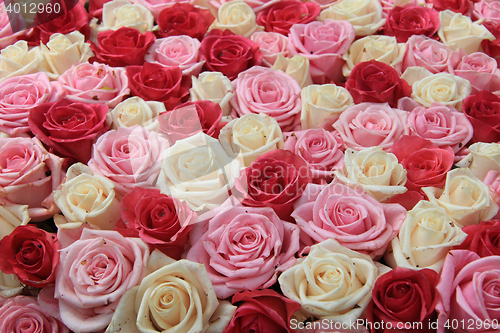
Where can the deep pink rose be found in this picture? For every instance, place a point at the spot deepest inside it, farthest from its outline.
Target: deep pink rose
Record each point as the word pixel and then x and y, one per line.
pixel 387 5
pixel 271 44
pixel 282 15
pixel 481 70
pixel 482 238
pixel 183 18
pixel 156 6
pixel 483 112
pixel 492 47
pixel 404 22
pixel 463 7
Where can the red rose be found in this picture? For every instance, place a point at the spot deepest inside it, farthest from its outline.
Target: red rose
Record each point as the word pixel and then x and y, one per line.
pixel 262 311
pixel 375 82
pixel 184 19
pixel 123 47
pixel 30 253
pixel 95 8
pixel 483 111
pixel 276 179
pixel 228 53
pixel 492 47
pixel 404 22
pixel 160 221
pixel 283 14
pixel 403 296
pixel 482 238
pixel 426 164
pixel 458 6
pixel 69 129
pixel 154 82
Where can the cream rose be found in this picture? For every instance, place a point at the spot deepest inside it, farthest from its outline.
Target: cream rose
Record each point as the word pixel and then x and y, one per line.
pixel 385 49
pixel 332 282
pixel 426 236
pixel 19 59
pixel 377 172
pixel 322 101
pixel 121 13
pixel 215 87
pixel 459 30
pixel 238 17
pixel 10 285
pixel 297 67
pixel 482 158
pixel 365 15
pixel 464 197
pixel 12 216
pixel 251 136
pixel 136 111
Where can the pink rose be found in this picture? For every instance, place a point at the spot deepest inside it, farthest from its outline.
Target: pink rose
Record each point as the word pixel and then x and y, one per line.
pixel 492 179
pixel 129 156
pixel 322 150
pixel 93 273
pixel 265 90
pixel 9 31
pixel 271 44
pixel 28 175
pixel 350 216
pixel 487 9
pixel 19 94
pixel 323 44
pixel 366 125
pixel 95 83
pixel 481 70
pixel 182 51
pixel 442 125
pixel 245 248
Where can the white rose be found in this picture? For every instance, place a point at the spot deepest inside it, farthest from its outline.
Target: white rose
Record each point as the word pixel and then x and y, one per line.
pixel 482 158
pixel 10 285
pixel 297 67
pixel 121 13
pixel 238 17
pixel 87 198
pixel 332 282
pixel 19 59
pixel 12 216
pixel 215 87
pixel 175 296
pixel 136 111
pixel 464 197
pixel 322 101
pixel 364 15
pixel 377 172
pixel 251 136
pixel 425 238
pixel 459 30
pixel 64 51
pixel 385 49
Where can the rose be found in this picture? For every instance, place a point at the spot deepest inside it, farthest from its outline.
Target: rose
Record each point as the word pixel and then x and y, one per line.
pixel 87 198
pixel 492 179
pixel 375 82
pixel 236 16
pixel 136 111
pixel 384 49
pixel 93 273
pixel 12 216
pixel 482 238
pixel 282 15
pixel 365 15
pixel 322 101
pixel 121 13
pixel 181 51
pixel 328 269
pixel 462 6
pixel 483 158
pixel 25 313
pixel 426 164
pixel 271 44
pixel 232 249
pixel 252 135
pixel 387 5
pixel 184 19
pixel 7 34
pixel 442 125
pixel 481 71
pixel 404 296
pixel 466 199
pixel 297 67
pixel 426 236
pixel 366 125
pixel 228 53
pixel 19 94
pixel 10 285
pixel 483 112
pixel 322 150
pixel 486 9
pixel 69 129
pixel 275 179
pixel 155 82
pixel 457 29
pixel 213 86
pixel 95 8
pixel 264 90
pixel 17 59
pixel 256 5
pixel 404 22
pixel 128 157
pixel 95 84
pixel 31 254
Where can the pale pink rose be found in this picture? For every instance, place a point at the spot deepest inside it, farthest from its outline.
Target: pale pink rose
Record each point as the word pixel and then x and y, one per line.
pixel 442 125
pixel 156 6
pixel 487 9
pixel 28 175
pixel 9 31
pixel 492 179
pixel 271 44
pixel 468 293
pixel 95 83
pixel 182 51
pixel 322 150
pixel 324 44
pixel 433 55
pixel 265 90
pixel 129 156
pixel 245 248
pixel 481 70
pixel 93 274
pixel 19 94
pixel 366 125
